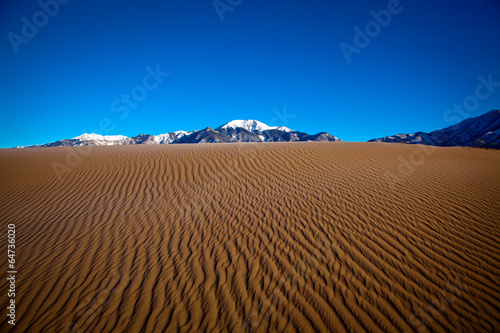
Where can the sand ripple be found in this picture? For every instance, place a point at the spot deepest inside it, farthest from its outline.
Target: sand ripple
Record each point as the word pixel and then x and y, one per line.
pixel 286 237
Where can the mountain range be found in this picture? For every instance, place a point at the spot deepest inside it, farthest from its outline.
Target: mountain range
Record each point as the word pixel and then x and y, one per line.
pixel 481 132
pixel 233 131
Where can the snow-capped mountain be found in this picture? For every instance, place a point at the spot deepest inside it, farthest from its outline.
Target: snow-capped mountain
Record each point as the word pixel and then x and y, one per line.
pixel 170 137
pixel 482 132
pixel 252 126
pixel 98 137
pixel 233 131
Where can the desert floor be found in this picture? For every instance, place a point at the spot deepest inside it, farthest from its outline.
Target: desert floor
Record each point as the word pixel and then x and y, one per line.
pixel 309 237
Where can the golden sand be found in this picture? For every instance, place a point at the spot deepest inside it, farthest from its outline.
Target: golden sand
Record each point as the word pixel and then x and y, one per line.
pixel 286 237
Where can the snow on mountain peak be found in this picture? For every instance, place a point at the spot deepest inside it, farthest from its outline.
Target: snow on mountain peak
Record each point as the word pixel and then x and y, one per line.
pixel 251 125
pixel 170 137
pixel 99 137
pixel 284 129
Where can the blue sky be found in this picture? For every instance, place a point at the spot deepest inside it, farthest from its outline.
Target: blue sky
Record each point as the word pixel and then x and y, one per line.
pixel 280 62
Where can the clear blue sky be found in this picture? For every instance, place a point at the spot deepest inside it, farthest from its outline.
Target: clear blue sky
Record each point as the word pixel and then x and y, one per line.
pixel 264 55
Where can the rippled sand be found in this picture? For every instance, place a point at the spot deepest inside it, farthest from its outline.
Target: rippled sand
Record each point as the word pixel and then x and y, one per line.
pixel 254 237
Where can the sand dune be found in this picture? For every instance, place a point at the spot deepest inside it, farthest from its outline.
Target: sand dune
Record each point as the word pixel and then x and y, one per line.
pixel 286 237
